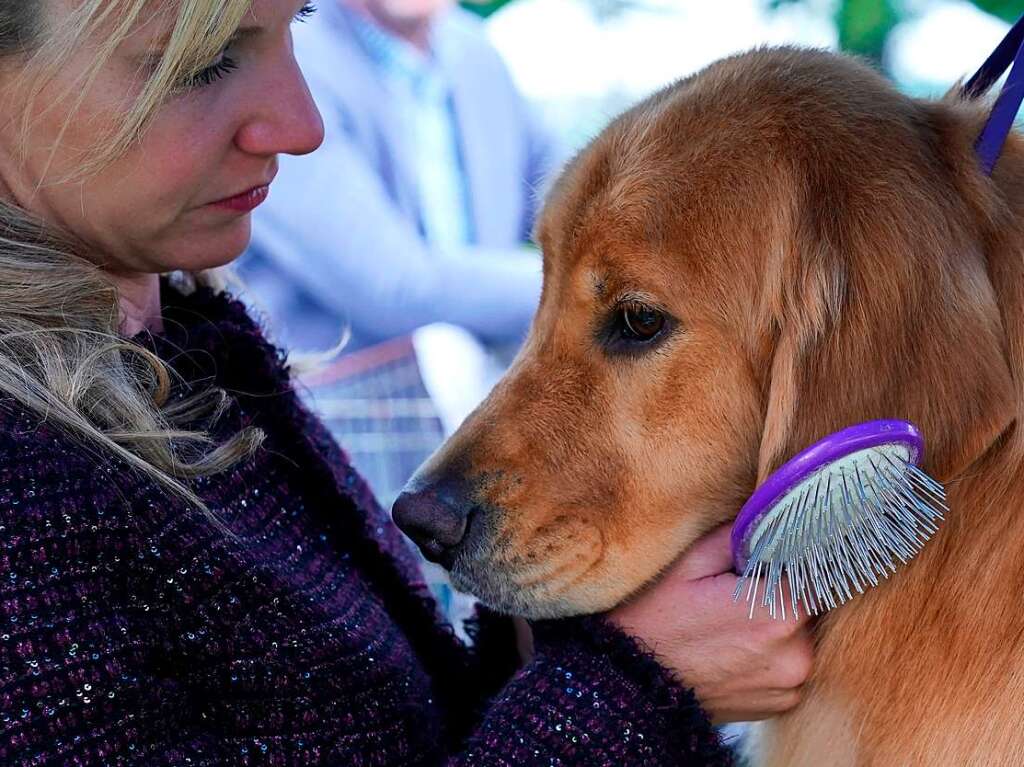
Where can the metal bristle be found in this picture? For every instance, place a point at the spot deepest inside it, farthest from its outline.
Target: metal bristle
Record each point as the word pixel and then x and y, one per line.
pixel 841 532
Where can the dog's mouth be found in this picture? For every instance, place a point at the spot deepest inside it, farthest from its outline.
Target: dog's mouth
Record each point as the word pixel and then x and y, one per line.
pixel 535 578
pixel 500 591
pixel 535 561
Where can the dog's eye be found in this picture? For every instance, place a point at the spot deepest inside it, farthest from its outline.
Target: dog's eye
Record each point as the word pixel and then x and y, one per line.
pixel 639 322
pixel 634 327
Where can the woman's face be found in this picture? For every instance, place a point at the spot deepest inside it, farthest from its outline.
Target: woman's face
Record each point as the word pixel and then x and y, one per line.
pixel 180 198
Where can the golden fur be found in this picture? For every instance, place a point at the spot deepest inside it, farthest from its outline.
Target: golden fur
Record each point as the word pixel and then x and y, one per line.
pixel 828 252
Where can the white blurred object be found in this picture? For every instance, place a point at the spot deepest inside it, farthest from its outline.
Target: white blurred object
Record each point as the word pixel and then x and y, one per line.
pixel 948 40
pixel 558 48
pixel 457 371
pixel 580 71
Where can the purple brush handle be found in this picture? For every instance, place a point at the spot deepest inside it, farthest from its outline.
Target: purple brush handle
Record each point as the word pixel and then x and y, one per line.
pixel 807 462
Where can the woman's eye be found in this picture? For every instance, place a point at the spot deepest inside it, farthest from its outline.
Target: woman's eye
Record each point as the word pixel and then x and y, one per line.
pixel 214 72
pixel 639 322
pixel 227 64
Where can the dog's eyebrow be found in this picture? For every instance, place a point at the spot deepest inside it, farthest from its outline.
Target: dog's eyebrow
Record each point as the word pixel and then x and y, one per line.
pixel 598 279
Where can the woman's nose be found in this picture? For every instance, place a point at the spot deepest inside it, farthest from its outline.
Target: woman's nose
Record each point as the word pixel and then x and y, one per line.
pixel 287 120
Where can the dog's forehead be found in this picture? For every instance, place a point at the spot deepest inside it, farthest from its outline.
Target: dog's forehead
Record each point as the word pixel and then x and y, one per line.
pixel 724 127
pixel 627 220
pixel 603 206
pixel 651 173
pixel 706 179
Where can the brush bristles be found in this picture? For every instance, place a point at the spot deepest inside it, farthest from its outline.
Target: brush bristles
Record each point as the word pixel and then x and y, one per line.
pixel 840 532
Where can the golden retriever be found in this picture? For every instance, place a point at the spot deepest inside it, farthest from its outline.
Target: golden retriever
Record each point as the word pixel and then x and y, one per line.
pixel 775 248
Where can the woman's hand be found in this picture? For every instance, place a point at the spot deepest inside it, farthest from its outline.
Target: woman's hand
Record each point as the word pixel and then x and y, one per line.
pixel 741 669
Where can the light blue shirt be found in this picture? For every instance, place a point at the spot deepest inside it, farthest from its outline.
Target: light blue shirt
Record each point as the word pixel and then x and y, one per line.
pixel 417 206
pixel 422 97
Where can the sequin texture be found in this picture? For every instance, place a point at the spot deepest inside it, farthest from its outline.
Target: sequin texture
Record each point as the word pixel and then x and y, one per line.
pixel 294 629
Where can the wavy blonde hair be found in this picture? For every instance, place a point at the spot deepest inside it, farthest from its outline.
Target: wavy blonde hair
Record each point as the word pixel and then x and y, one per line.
pixel 61 354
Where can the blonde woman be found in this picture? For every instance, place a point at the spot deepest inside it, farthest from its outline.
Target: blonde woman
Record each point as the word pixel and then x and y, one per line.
pixel 190 571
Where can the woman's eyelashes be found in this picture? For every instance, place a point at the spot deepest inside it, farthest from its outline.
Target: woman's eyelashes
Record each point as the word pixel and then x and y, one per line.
pixel 226 63
pixel 214 72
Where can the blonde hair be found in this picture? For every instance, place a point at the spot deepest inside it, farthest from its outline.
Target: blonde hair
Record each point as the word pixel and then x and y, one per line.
pixel 61 354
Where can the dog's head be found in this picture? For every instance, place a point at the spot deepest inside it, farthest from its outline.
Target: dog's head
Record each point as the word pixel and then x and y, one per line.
pixel 775 248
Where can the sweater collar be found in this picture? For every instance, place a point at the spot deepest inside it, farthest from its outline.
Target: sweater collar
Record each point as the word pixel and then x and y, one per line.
pixel 209 335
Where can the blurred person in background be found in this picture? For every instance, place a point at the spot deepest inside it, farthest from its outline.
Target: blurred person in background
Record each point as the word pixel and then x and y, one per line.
pixel 423 193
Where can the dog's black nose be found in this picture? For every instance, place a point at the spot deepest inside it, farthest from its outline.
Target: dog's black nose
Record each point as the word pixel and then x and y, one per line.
pixel 436 523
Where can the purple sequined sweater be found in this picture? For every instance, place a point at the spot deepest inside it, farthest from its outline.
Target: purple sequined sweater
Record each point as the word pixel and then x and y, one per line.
pixel 134 630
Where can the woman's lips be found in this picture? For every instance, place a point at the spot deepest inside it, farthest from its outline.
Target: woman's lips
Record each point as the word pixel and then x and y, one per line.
pixel 245 201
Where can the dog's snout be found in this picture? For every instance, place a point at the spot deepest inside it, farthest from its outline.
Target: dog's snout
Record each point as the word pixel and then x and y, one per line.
pixel 435 520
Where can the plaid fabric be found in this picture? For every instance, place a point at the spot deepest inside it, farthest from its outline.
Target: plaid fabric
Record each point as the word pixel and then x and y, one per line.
pixel 375 404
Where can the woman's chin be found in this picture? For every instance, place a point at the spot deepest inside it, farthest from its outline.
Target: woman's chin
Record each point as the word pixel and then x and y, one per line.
pixel 222 246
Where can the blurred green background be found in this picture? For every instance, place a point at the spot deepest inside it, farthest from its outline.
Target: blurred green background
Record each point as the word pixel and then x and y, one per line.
pixel 580 62
pixel 862 25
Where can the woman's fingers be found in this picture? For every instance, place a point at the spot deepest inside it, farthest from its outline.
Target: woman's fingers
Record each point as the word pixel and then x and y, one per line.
pixel 710 555
pixel 740 667
pixel 723 587
pixel 764 705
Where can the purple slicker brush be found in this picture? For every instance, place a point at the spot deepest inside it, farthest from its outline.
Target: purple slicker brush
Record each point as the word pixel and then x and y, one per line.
pixel 835 518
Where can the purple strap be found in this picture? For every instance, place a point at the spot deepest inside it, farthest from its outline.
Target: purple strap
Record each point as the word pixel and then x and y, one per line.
pixel 1000 120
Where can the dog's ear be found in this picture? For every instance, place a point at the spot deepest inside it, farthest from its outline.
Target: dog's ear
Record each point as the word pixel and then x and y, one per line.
pixel 882 305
